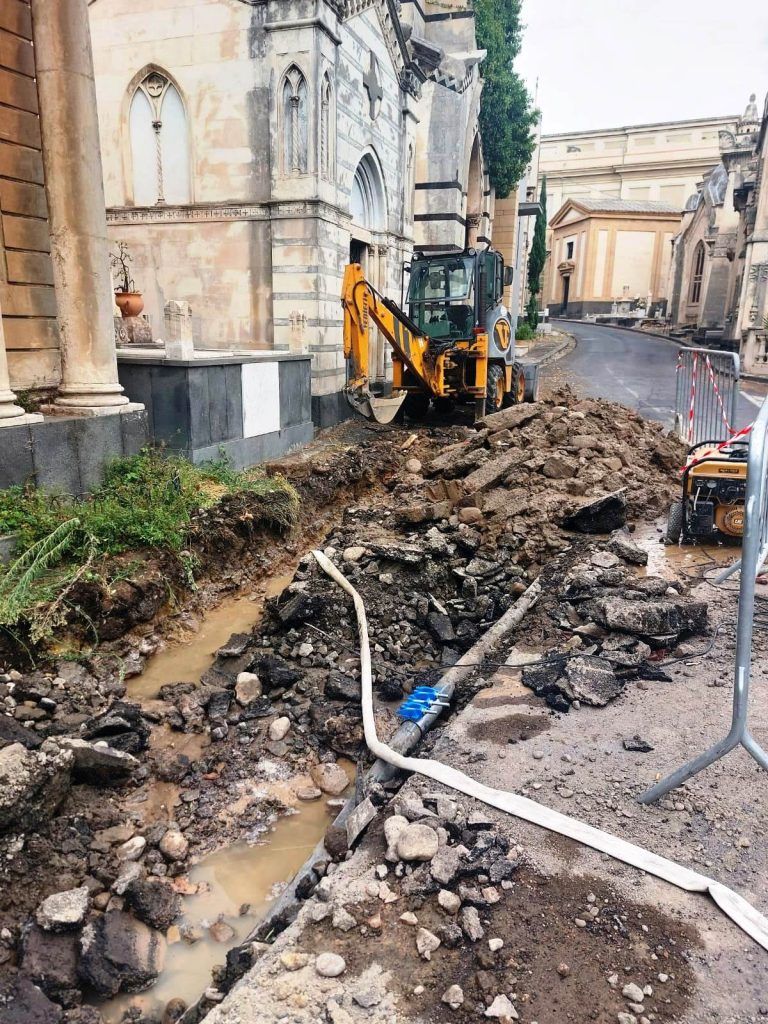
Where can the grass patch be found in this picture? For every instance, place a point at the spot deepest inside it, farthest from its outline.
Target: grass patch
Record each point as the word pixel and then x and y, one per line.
pixel 146 501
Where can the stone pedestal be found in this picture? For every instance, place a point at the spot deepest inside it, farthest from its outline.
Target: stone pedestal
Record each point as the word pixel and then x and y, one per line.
pixel 134 330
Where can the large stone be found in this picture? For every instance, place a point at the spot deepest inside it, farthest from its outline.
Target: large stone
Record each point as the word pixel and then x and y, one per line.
pixel 330 777
pixel 671 617
pixel 32 785
pixel 300 607
pixel 426 943
pixel 279 729
pixel 490 472
pixel 274 672
pixel 49 960
pixel 98 764
pixel 341 687
pixel 590 680
pixel 174 845
pixel 601 516
pixel 121 725
pixel 22 1002
pixel 63 910
pixel 440 627
pixel 154 902
pixel 330 965
pixel 502 1007
pixel 405 554
pixel 247 688
pixel 446 864
pixel 469 921
pixel 119 953
pixel 417 843
pixel 509 419
pixel 620 543
pixel 557 467
pixel 12 731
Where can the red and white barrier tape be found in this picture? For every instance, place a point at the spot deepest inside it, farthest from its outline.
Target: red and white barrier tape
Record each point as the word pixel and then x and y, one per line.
pixel 715 388
pixel 718 447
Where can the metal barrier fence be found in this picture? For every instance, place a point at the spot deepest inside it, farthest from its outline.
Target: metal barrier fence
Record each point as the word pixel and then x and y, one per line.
pixel 754 553
pixel 707 394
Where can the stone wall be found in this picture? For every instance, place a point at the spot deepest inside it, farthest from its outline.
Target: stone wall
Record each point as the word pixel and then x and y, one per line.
pixel 27 295
pixel 259 249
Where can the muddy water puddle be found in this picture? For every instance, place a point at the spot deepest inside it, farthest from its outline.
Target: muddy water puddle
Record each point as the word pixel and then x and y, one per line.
pixel 689 561
pixel 187 660
pixel 234 885
pixel 240 878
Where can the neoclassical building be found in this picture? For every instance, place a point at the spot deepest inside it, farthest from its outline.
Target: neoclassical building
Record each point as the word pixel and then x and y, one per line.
pixel 719 271
pixel 251 148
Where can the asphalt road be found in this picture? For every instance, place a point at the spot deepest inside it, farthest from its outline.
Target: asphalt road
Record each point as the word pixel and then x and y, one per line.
pixel 635 369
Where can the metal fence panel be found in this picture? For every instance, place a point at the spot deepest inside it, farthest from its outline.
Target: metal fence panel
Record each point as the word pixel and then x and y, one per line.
pixel 754 553
pixel 707 394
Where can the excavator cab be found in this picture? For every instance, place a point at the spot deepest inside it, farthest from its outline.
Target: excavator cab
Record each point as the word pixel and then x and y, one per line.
pixel 441 297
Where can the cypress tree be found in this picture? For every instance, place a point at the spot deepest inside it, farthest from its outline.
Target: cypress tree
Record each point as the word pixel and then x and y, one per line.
pixel 537 258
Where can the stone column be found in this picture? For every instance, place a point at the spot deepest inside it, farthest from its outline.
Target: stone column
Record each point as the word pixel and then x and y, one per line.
pixel 75 189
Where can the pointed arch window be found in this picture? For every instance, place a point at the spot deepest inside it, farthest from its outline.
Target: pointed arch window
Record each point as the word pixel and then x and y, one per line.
pixel 295 116
pixel 327 129
pixel 698 273
pixel 159 143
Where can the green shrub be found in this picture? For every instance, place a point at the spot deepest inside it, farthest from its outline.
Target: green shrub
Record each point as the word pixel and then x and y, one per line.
pixel 524 332
pixel 146 500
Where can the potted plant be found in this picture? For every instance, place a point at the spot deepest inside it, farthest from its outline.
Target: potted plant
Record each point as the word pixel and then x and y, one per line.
pixel 128 300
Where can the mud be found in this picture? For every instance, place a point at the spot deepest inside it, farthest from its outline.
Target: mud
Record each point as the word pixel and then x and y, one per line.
pixel 510 728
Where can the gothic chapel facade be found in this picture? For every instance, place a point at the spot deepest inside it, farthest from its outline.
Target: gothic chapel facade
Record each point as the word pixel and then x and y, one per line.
pixel 252 147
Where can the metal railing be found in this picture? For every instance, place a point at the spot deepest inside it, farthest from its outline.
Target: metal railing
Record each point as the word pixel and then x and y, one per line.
pixel 754 553
pixel 707 394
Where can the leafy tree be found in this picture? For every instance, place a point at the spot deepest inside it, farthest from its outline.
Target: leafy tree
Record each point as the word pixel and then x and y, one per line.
pixel 507 118
pixel 537 257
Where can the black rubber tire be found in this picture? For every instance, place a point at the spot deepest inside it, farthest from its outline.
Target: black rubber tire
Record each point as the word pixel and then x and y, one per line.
pixel 511 397
pixel 415 406
pixel 532 386
pixel 494 397
pixel 675 521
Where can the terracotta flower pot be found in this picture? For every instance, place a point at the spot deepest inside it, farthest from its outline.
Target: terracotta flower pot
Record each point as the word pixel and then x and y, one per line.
pixel 129 303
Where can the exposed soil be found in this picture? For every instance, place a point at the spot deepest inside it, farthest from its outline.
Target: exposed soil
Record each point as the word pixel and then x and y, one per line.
pixel 535 918
pixel 510 728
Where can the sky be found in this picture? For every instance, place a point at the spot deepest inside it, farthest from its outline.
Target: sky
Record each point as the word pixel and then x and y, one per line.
pixel 610 63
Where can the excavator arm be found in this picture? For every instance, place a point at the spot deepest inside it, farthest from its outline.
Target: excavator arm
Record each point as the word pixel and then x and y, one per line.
pixel 364 306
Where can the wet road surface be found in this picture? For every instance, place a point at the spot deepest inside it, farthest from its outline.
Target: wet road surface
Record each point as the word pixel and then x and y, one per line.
pixel 635 369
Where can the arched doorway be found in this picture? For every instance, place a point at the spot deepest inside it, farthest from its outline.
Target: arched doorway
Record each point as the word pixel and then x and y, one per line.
pixel 368 207
pixel 474 194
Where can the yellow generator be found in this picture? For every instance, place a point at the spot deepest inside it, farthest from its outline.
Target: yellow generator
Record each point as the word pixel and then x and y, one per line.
pixel 714 485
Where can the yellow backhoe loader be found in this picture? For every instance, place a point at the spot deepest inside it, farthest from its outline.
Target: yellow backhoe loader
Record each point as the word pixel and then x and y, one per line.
pixel 455 343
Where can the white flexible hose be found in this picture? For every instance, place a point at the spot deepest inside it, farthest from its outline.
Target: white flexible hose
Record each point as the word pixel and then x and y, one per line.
pixel 736 907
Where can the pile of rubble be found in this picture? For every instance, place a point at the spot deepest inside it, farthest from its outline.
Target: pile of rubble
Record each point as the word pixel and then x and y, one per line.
pixel 443 919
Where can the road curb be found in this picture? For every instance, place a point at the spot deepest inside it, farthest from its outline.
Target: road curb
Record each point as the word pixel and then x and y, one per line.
pixel 562 349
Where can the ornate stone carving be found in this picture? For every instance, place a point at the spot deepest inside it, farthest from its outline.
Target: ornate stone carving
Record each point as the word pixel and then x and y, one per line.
pixel 410 82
